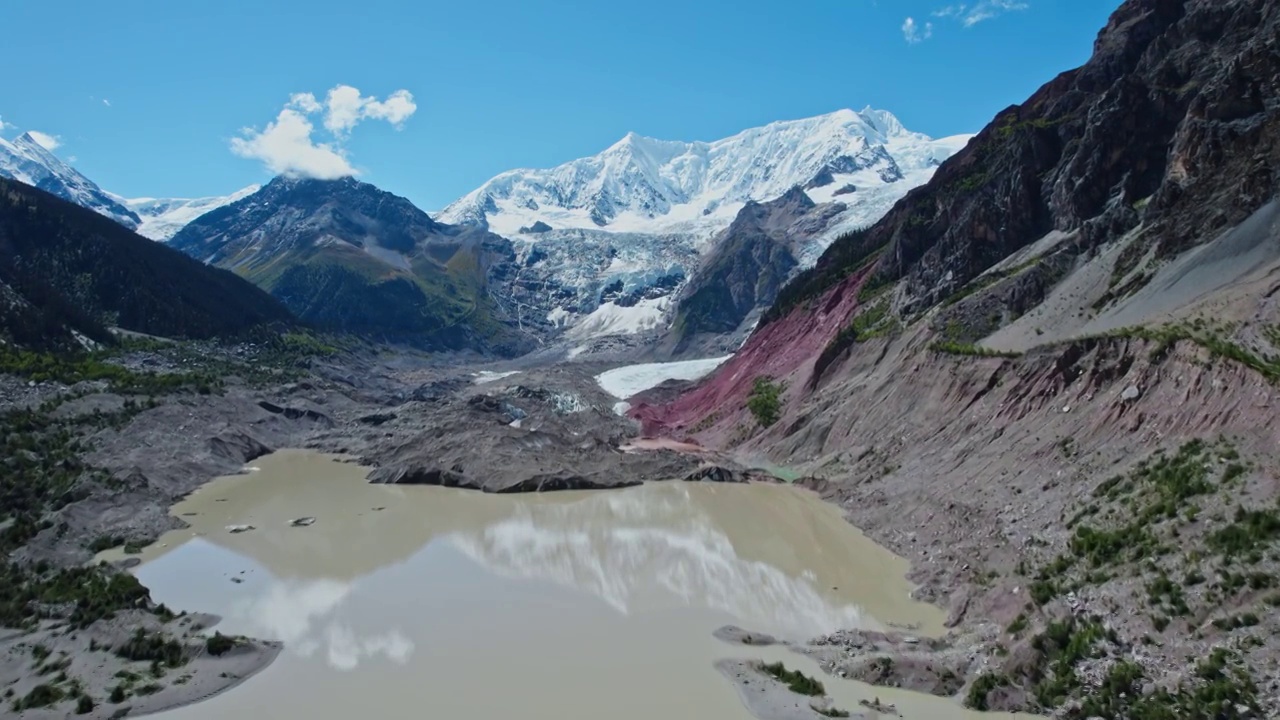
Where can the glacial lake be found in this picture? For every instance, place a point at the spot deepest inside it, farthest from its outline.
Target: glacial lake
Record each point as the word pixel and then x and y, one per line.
pixel 431 602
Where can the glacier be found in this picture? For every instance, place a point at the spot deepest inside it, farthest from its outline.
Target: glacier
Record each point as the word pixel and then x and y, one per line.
pixel 607 241
pixel 162 218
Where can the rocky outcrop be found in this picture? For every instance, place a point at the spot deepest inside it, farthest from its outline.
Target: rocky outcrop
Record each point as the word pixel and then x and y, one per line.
pixel 297 413
pixel 751 261
pixel 421 475
pixel 715 473
pixel 237 447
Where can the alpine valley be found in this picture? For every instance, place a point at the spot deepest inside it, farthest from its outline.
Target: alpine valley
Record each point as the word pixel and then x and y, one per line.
pixel 1038 368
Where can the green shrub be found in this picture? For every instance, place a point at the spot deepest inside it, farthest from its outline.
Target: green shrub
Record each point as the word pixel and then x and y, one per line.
pixel 41 696
pixel 765 401
pixel 797 681
pixel 981 688
pixel 156 648
pixel 219 644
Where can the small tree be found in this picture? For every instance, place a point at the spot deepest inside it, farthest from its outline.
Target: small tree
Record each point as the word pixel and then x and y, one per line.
pixel 764 402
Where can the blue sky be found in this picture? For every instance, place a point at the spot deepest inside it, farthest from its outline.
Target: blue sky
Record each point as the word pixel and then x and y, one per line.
pixel 149 97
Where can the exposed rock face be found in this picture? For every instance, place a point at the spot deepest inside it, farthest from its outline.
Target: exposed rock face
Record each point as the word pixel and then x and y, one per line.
pixel 715 473
pixel 346 255
pixel 751 261
pixel 536 228
pixel 1173 124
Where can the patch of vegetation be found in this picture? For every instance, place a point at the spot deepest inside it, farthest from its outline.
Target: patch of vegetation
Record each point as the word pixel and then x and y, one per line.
pixel 105 542
pixel 84 705
pixel 1211 338
pixel 1235 622
pixel 28 595
pixel 156 648
pixel 219 644
pixel 1251 530
pixel 848 255
pixel 70 369
pixel 871 322
pixel 1155 491
pixel 982 282
pixel 981 688
pixel 1010 125
pixel 1064 644
pixel 973 181
pixel 950 347
pixel 832 712
pixel 795 680
pixel 1221 690
pixel 1018 625
pixel 765 401
pixel 42 695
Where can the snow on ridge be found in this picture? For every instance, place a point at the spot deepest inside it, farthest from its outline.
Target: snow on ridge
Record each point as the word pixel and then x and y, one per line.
pixel 27 161
pixel 162 218
pixel 642 184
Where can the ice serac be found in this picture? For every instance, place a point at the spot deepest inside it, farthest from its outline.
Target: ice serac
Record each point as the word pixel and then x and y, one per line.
pixel 637 221
pixel 27 161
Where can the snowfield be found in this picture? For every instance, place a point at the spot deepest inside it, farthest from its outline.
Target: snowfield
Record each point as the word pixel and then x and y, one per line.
pixel 628 380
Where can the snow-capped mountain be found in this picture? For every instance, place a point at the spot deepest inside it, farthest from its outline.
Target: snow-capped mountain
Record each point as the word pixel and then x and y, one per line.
pixel 25 160
pixel 162 218
pixel 646 185
pixel 608 242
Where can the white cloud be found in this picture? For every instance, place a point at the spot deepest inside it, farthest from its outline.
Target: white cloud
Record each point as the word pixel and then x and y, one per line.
pixel 287 146
pixel 106 102
pixel 306 102
pixel 345 108
pixel 950 11
pixel 2 125
pixel 970 15
pixel 916 33
pixel 45 140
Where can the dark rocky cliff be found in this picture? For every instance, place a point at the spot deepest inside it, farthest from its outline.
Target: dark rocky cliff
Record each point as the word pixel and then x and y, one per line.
pixel 752 260
pixel 1172 126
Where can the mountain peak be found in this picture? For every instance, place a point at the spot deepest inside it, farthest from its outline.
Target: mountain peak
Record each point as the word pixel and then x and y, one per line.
pixel 27 161
pixel 643 184
pixel 882 120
